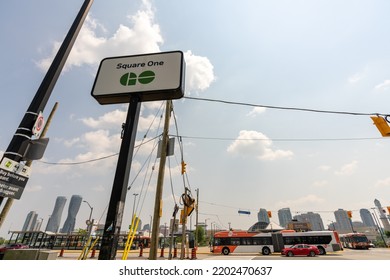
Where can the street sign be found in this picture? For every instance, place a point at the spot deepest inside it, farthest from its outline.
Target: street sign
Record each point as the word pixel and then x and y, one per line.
pixel 13 178
pixel 38 126
pixel 151 77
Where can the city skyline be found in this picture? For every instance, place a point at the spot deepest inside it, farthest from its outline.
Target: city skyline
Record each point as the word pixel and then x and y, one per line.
pixel 276 110
pixel 343 222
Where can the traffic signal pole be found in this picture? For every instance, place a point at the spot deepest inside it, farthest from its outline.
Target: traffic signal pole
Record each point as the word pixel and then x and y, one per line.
pixel 24 131
pixel 10 200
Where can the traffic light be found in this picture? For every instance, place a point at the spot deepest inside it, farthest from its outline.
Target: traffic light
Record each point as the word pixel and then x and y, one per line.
pixel 190 209
pixel 183 167
pixel 349 214
pixel 382 125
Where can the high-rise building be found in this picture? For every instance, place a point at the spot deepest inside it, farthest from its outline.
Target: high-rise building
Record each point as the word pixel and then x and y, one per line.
pixel 366 217
pixel 54 221
pixel 382 215
pixel 344 223
pixel 262 216
pixel 30 222
pixel 74 207
pixel 314 219
pixel 284 216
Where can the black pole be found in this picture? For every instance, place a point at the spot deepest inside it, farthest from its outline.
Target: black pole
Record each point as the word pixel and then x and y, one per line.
pixel 24 131
pixel 116 206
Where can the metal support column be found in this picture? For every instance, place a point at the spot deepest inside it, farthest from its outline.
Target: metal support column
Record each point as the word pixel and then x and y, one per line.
pixel 116 206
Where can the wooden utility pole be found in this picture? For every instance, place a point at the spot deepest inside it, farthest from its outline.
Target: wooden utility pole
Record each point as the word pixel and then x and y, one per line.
pixel 196 221
pixel 160 181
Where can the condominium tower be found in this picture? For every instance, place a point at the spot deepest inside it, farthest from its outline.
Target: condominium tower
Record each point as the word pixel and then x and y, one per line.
pixel 74 206
pixel 54 221
pixel 284 216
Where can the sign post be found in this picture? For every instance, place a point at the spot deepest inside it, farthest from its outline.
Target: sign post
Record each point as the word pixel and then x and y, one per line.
pixel 133 79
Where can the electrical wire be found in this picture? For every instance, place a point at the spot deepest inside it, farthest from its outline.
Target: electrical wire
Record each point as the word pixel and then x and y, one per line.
pixel 285 108
pixel 280 139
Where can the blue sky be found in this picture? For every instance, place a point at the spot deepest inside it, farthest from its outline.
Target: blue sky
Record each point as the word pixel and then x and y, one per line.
pixel 323 55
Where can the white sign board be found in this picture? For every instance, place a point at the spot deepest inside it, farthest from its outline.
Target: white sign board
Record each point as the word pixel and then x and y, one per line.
pixel 158 76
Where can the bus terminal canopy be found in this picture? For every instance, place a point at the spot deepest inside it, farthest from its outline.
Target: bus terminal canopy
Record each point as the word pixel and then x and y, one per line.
pixel 265 227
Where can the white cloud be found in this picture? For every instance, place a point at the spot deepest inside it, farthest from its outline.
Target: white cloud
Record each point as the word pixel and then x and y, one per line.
pixel 347 169
pixel 383 183
pixel 144 36
pixel 383 86
pixel 101 141
pixel 71 142
pixel 355 78
pixel 324 167
pixel 301 202
pixel 320 183
pixel 250 143
pixel 111 119
pixel 256 111
pixel 199 72
pixel 36 188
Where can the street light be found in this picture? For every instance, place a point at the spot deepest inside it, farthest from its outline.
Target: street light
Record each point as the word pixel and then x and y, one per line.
pixel 89 228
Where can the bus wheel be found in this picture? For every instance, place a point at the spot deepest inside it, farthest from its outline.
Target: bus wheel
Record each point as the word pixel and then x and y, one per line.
pixel 266 251
pixel 225 251
pixel 322 250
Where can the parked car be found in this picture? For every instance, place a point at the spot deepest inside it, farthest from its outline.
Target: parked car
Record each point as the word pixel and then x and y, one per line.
pixel 301 250
pixel 6 247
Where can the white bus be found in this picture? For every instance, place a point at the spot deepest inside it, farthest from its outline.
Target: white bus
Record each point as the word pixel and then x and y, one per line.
pixel 226 242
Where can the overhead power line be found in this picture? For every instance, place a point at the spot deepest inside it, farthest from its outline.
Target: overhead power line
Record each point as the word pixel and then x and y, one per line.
pixel 280 139
pixel 285 108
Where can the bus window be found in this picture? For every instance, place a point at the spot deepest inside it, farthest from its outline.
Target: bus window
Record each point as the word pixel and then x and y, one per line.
pixel 235 241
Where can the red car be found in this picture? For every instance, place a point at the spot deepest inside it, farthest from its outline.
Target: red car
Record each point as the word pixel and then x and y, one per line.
pixel 6 247
pixel 301 250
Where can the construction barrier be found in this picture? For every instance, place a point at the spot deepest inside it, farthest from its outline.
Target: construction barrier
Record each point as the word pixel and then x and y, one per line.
pixel 193 254
pixel 61 253
pixel 174 252
pixel 93 253
pixel 162 253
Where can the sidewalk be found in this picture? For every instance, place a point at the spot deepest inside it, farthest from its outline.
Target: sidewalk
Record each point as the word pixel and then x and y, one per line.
pixel 135 254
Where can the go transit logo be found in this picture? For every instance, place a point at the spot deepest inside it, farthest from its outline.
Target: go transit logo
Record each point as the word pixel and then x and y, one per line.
pixel 131 79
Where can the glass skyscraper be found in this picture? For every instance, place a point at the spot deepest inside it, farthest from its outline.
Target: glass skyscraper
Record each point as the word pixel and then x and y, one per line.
pixel 314 219
pixel 73 209
pixel 366 217
pixel 30 221
pixel 382 215
pixel 284 216
pixel 54 221
pixel 343 222
pixel 262 216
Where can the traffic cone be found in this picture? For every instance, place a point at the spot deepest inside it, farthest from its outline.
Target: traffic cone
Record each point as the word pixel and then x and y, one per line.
pixel 61 252
pixel 193 254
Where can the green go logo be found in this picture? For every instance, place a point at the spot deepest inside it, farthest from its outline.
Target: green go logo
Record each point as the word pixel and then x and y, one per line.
pixel 130 79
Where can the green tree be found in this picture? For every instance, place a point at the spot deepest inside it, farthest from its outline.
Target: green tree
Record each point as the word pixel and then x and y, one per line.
pixel 200 235
pixel 387 233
